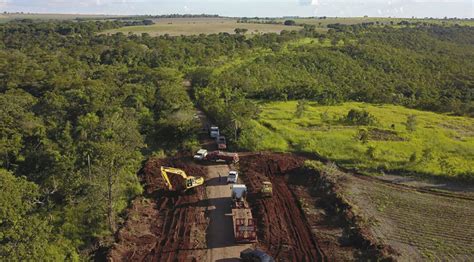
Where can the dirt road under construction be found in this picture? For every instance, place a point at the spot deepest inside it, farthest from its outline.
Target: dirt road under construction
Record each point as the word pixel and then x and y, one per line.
pixel 162 226
pixel 198 227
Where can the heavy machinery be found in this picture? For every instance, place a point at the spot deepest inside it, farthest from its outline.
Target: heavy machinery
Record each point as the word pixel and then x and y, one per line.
pixel 267 189
pixel 187 182
pixel 245 230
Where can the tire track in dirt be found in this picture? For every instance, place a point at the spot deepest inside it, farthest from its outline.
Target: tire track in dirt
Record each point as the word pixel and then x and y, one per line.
pixel 167 227
pixel 282 228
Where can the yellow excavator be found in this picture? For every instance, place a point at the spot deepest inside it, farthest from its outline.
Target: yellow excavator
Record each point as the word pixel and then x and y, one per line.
pixel 189 181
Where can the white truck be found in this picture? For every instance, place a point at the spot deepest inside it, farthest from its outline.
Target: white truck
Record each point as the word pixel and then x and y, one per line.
pixel 232 177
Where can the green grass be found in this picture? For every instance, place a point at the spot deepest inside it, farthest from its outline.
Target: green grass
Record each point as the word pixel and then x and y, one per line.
pixel 195 26
pixel 449 139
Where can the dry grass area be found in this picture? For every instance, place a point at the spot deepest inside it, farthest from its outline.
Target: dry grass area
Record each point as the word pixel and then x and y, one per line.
pixel 9 17
pixel 195 26
pixel 420 225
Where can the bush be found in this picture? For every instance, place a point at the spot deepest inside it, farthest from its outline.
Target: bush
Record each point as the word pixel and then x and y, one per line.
pixel 360 117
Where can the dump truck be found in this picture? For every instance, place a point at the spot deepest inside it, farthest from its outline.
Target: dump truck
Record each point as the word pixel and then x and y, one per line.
pixel 221 143
pixel 245 230
pixel 216 156
pixel 183 183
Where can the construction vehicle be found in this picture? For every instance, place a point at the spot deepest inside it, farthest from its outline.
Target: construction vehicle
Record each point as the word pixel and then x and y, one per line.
pixel 216 156
pixel 187 182
pixel 267 189
pixel 221 143
pixel 245 230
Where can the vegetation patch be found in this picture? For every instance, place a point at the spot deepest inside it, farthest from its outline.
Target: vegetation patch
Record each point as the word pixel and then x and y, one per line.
pixel 388 142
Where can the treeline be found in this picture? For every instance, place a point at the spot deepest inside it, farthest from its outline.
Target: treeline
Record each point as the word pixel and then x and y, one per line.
pixel 78 113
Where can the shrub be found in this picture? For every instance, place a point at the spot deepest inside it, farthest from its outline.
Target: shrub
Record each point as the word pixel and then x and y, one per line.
pixel 411 123
pixel 360 117
pixel 300 108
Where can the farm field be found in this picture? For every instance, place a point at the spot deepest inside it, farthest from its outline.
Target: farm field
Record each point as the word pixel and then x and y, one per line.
pixel 419 225
pixel 195 26
pixel 382 20
pixel 440 145
pixel 4 18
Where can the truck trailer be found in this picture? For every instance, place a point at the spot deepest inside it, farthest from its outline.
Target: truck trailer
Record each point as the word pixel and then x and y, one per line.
pixel 245 230
pixel 216 156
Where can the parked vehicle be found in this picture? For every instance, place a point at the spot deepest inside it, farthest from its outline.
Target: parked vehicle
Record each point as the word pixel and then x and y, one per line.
pixel 221 143
pixel 255 255
pixel 232 177
pixel 214 132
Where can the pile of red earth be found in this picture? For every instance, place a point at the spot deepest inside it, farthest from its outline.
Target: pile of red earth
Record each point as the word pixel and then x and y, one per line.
pixel 283 231
pixel 163 226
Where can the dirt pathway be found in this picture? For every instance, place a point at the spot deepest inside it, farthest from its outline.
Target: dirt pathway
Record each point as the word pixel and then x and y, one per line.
pixel 220 235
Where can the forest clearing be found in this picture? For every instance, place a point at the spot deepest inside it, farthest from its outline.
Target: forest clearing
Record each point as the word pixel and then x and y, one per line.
pixel 194 137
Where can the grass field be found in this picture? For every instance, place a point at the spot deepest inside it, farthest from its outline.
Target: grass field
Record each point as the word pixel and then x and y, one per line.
pixel 440 145
pixel 4 18
pixel 195 26
pixel 382 20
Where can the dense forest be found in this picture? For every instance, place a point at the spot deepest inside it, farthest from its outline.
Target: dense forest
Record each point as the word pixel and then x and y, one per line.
pixel 80 111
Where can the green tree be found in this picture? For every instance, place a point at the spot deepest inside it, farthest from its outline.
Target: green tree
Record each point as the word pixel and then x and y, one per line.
pixel 240 31
pixel 24 233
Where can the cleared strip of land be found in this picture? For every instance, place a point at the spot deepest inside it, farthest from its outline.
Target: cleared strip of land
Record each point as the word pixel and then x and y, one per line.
pixel 196 26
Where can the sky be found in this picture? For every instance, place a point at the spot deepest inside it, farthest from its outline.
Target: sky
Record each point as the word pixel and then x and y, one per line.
pixel 250 8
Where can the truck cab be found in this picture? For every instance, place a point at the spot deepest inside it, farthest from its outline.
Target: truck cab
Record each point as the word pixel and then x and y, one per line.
pixel 232 177
pixel 200 154
pixel 214 132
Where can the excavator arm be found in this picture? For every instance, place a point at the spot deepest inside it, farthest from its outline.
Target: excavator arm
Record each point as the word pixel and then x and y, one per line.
pixel 189 181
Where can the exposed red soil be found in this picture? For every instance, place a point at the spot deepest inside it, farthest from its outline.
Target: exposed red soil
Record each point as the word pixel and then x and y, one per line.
pixel 282 227
pixel 165 226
